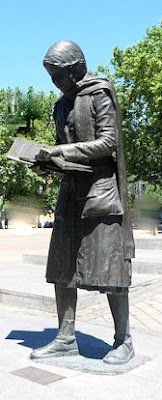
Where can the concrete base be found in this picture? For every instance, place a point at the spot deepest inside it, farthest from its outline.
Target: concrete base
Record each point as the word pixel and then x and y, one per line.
pixel 46 303
pixel 147 260
pixel 26 287
pixel 94 366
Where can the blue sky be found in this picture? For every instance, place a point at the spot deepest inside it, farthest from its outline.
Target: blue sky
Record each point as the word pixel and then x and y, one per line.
pixel 28 28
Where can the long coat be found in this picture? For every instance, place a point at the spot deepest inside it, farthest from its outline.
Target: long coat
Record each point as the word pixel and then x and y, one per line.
pixel 91 244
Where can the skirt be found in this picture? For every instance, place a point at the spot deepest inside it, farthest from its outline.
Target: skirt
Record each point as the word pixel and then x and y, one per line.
pixel 86 253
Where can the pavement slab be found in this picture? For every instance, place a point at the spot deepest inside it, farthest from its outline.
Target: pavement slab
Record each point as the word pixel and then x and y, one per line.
pixel 37 375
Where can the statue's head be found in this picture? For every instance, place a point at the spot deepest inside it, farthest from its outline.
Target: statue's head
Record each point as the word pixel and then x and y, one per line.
pixel 65 62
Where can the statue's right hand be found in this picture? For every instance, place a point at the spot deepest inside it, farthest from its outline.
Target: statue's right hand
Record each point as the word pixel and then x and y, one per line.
pixel 43 155
pixel 46 154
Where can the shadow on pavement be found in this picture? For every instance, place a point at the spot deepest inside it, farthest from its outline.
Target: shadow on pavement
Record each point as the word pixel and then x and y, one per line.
pixel 89 346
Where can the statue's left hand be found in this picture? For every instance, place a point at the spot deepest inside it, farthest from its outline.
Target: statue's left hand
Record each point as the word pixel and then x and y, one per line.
pixel 38 170
pixel 45 154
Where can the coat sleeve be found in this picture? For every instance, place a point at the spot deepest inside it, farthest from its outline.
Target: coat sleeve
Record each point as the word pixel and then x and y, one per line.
pixel 105 126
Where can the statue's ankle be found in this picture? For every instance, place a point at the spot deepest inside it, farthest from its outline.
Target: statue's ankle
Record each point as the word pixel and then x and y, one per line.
pixel 127 340
pixel 68 339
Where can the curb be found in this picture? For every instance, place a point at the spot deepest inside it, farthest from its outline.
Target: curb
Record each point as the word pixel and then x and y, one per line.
pixel 46 303
pixel 154 243
pixel 143 267
pixel 41 302
pixel 148 267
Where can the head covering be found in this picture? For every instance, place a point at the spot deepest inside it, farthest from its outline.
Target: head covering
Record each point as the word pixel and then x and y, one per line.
pixel 65 53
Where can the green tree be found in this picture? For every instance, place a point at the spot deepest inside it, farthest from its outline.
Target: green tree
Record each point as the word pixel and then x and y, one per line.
pixel 15 111
pixel 154 192
pixel 23 109
pixel 137 75
pixel 32 106
pixel 15 179
pixel 6 104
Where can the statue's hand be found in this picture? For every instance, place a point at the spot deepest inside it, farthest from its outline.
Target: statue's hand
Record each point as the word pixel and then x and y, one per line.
pixel 38 170
pixel 45 154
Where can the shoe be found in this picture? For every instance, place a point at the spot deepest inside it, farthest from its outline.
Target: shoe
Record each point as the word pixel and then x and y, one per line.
pixel 61 346
pixel 120 355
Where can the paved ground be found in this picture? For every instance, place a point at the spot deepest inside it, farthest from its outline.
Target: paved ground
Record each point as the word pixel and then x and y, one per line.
pixel 23 329
pixel 16 242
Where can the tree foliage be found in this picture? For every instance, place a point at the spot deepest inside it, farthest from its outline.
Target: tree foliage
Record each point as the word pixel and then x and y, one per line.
pixel 25 115
pixel 154 192
pixel 137 75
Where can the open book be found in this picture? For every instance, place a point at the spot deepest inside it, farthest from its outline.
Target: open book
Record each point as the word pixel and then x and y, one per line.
pixel 25 151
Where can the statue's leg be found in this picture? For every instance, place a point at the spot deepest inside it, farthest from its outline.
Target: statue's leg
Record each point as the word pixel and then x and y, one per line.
pixel 65 341
pixel 122 348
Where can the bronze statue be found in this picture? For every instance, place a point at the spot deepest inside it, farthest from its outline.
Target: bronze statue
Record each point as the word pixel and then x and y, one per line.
pixel 92 244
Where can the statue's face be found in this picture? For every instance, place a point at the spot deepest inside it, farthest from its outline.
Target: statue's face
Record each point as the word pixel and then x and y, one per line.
pixel 62 77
